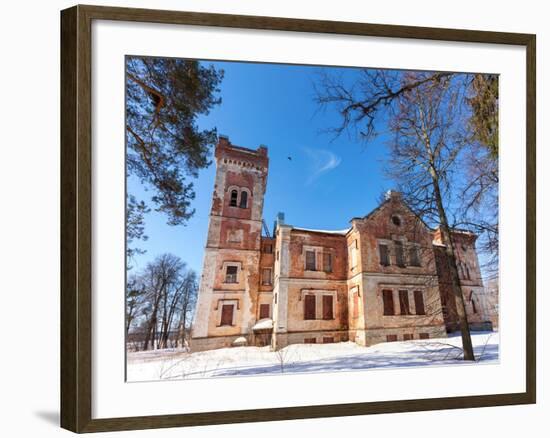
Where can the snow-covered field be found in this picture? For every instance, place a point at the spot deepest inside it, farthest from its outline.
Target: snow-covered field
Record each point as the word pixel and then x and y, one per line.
pixel 305 358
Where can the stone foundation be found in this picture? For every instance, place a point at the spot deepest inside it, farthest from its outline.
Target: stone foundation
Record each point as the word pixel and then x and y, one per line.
pixel 483 326
pixel 281 340
pixel 376 336
pixel 213 343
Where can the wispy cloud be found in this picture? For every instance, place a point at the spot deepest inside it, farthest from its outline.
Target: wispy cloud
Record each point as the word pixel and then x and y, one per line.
pixel 321 161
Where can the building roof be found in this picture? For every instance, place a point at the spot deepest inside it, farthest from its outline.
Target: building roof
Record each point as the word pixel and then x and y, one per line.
pixel 310 230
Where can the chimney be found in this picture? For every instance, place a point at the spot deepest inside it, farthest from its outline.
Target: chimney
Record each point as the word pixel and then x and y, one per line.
pixel 392 194
pixel 280 220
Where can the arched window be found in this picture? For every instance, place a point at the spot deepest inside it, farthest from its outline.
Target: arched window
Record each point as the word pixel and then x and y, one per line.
pixel 472 301
pixel 244 199
pixel 234 196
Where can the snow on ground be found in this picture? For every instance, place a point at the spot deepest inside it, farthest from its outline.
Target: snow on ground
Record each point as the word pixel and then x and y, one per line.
pixel 300 358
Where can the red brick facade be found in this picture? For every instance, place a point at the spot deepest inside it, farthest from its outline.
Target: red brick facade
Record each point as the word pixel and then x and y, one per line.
pixel 381 279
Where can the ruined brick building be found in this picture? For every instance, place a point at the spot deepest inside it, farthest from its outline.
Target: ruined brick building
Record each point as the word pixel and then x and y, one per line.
pixel 382 279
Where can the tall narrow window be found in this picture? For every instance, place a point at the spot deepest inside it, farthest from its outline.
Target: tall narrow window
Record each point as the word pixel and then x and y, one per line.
pixel 264 311
pixel 234 196
pixel 327 307
pixel 467 271
pixel 474 308
pixel 227 314
pixel 310 260
pixel 268 248
pixel 404 302
pixel 309 307
pixel 384 254
pixel 266 276
pixel 419 303
pixel 355 305
pixel 352 251
pixel 414 258
pixel 399 256
pixel 244 199
pixel 231 274
pixel 387 296
pixel 327 262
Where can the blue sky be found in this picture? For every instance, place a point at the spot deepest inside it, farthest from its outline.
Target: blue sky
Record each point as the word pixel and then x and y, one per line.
pixel 327 182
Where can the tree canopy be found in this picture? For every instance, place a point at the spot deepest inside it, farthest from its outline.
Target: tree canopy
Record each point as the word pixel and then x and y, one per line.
pixel 165 145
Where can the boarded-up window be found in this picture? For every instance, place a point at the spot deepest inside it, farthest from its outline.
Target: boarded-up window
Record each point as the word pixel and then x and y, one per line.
pixel 327 307
pixel 387 296
pixel 310 260
pixel 424 336
pixel 266 276
pixel 309 307
pixel 244 200
pixel 352 250
pixel 391 338
pixel 227 314
pixel 419 303
pixel 327 262
pixel 399 256
pixel 404 302
pixel 328 340
pixel 231 274
pixel 408 337
pixel 384 254
pixel 355 305
pixel 414 258
pixel 310 341
pixel 235 236
pixel 264 311
pixel 234 196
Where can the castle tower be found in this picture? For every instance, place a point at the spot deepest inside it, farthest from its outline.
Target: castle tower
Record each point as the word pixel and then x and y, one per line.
pixel 228 293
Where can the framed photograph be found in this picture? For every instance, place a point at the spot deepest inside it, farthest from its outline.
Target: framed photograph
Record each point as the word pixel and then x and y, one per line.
pixel 270 218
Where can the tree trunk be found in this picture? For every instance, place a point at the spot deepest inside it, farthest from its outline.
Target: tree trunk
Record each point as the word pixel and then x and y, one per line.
pixel 455 280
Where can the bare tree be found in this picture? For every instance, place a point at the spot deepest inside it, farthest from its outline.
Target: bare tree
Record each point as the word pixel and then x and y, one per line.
pixel 189 291
pixel 160 301
pixel 427 133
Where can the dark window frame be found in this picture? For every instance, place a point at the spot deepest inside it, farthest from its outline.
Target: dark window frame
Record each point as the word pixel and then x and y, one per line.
pixel 224 315
pixel 269 281
pixel 384 255
pixel 309 264
pixel 233 200
pixel 414 256
pixel 243 202
pixel 404 304
pixel 263 306
pixel 389 306
pixel 231 278
pixel 399 253
pixel 419 305
pixel 310 309
pixel 328 307
pixel 327 267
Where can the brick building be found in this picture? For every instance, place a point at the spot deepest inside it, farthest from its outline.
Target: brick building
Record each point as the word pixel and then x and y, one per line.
pixel 382 279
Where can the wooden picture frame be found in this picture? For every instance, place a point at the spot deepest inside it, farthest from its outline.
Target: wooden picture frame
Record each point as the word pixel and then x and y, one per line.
pixel 76 217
